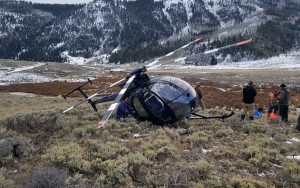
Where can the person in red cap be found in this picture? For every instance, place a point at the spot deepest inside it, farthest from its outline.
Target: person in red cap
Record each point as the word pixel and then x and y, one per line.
pixel 284 103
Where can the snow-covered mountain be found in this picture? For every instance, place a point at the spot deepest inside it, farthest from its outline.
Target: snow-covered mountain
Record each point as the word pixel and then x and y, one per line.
pixel 123 31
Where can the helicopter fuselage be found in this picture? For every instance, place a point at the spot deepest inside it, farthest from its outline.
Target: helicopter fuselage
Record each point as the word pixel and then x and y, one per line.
pixel 163 99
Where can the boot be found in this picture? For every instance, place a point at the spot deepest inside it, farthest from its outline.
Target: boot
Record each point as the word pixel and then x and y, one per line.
pixel 243 118
pixel 251 118
pixel 268 116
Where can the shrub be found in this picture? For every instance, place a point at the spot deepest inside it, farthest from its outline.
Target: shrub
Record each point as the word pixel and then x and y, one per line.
pixel 199 170
pixel 4 182
pixel 224 153
pixel 159 149
pixel 79 132
pixel 116 172
pixel 31 123
pixel 252 128
pixel 213 182
pixel 70 155
pixel 47 177
pixel 13 146
pixel 138 166
pixel 223 133
pixel 283 179
pixel 198 139
pixel 77 180
pixel 245 182
pixel 67 123
pixel 293 169
pixel 104 151
pixel 165 153
pixel 5 148
pixel 250 152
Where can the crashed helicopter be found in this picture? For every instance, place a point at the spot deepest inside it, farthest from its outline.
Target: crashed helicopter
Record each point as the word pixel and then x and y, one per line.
pixel 161 100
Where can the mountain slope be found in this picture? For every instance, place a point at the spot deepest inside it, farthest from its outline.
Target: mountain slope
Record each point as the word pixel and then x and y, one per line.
pixel 138 30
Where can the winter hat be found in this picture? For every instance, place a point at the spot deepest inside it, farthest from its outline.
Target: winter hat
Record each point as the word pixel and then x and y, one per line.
pixel 282 85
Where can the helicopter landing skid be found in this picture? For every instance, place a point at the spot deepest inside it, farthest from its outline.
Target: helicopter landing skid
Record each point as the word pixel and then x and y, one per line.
pixel 222 117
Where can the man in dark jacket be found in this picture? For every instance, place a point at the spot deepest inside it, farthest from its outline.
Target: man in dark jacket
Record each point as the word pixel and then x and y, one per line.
pixel 249 93
pixel 124 109
pixel 284 103
pixel 298 125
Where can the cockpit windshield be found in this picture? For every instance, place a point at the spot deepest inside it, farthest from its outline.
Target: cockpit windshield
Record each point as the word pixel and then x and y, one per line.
pixel 170 88
pixel 176 93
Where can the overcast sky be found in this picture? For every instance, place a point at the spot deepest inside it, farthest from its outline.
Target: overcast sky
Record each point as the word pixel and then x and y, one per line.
pixel 61 1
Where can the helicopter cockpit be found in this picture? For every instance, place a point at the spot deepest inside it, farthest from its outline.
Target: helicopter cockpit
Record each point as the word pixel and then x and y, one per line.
pixel 165 98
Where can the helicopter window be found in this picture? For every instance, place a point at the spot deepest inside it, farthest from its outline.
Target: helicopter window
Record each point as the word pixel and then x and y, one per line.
pixel 139 108
pixel 166 91
pixel 180 106
pixel 154 103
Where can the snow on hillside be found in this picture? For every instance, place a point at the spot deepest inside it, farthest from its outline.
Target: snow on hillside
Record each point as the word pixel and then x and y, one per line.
pixel 17 75
pixel 289 61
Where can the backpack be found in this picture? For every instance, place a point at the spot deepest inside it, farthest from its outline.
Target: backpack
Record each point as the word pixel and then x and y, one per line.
pixel 274 100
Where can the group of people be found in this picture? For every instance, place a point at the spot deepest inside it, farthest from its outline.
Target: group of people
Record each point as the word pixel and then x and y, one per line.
pixel 278 103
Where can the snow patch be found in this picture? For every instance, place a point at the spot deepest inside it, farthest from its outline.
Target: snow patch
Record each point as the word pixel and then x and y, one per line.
pixel 293 157
pixel 289 61
pixel 25 68
pixel 22 94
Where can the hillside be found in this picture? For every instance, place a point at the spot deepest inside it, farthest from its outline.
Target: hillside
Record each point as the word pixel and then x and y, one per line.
pixel 130 31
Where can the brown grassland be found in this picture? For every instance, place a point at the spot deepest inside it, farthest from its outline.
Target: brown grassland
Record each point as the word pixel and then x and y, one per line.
pixel 39 148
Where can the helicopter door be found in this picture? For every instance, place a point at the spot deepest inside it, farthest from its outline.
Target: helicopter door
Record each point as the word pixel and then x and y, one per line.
pixel 156 106
pixel 139 108
pixel 154 103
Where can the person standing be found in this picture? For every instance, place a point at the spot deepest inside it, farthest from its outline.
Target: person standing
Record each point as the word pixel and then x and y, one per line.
pixel 284 103
pixel 273 104
pixel 298 124
pixel 249 93
pixel 200 97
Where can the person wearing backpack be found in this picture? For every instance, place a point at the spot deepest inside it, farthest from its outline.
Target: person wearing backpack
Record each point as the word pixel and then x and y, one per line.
pixel 273 104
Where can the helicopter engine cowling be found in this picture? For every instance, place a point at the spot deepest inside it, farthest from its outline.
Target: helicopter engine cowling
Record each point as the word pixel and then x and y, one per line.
pixel 164 100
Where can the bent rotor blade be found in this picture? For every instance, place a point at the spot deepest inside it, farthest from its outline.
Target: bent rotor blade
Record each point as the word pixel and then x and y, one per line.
pixel 228 46
pixel 218 49
pixel 115 103
pixel 95 94
pixel 171 53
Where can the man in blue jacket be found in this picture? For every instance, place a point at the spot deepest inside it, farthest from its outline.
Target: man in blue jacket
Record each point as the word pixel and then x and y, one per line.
pixel 124 109
pixel 249 93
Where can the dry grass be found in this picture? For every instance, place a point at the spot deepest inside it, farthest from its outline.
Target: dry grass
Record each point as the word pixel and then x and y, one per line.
pixel 213 154
pixel 236 154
